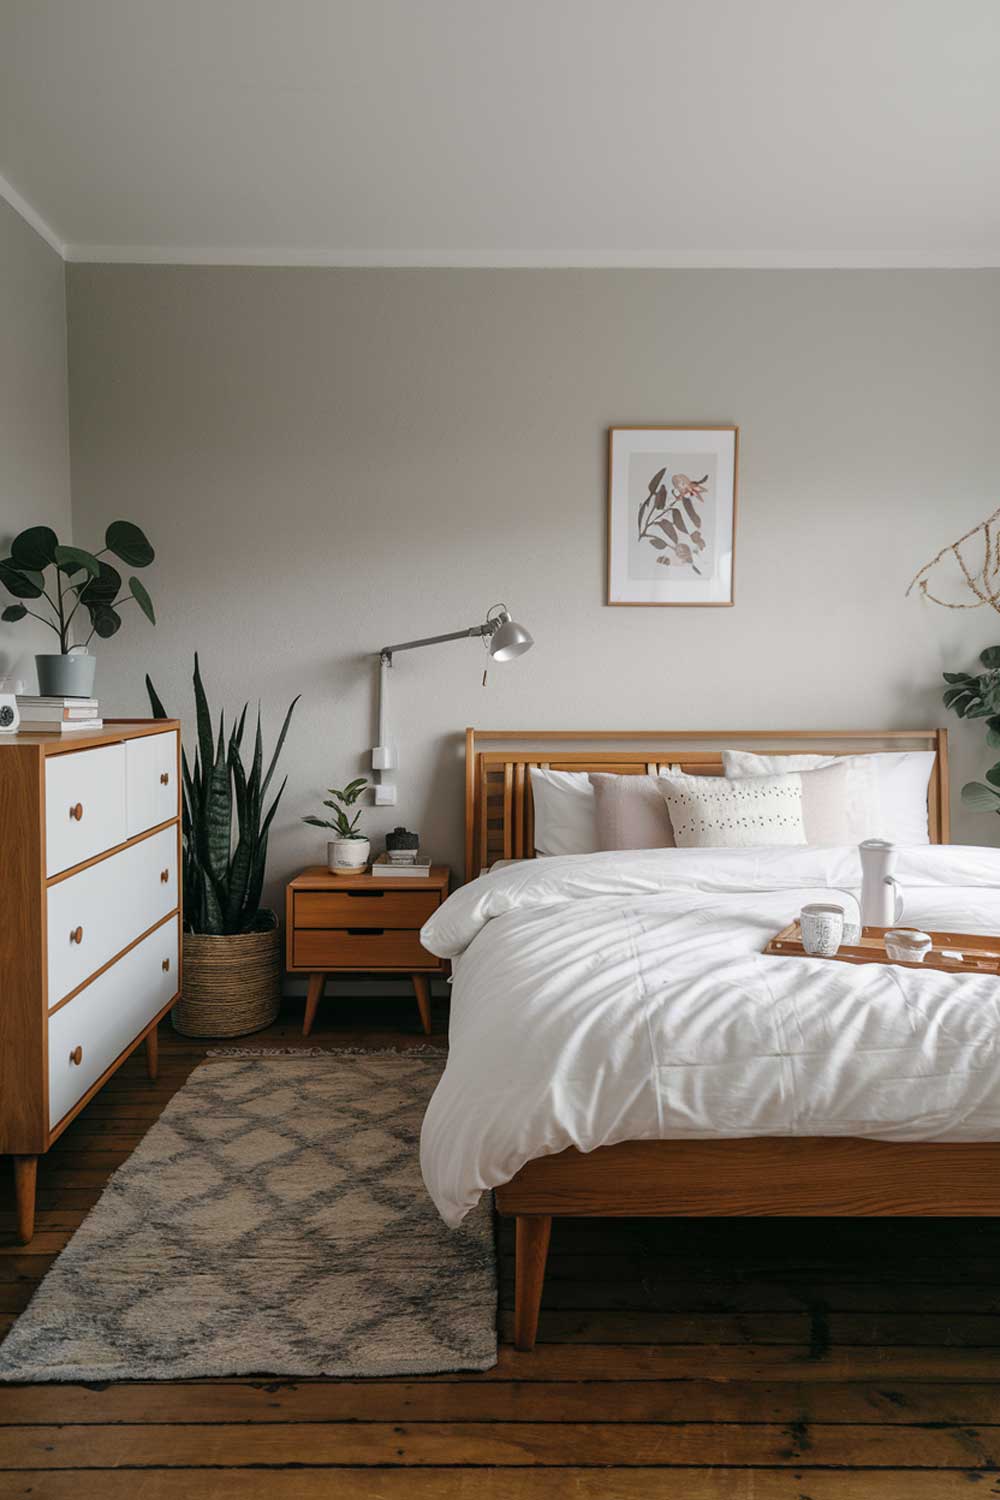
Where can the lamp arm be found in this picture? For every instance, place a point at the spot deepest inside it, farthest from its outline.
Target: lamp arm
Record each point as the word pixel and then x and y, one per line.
pixel 387 652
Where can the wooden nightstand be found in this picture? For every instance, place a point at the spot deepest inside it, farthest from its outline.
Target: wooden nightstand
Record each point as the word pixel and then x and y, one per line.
pixel 361 924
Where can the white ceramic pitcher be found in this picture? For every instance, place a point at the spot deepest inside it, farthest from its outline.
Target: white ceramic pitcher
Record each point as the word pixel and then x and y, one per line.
pixel 881 894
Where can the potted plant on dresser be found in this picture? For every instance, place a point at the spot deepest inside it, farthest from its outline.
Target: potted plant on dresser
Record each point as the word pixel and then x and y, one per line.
pixel 78 580
pixel 232 948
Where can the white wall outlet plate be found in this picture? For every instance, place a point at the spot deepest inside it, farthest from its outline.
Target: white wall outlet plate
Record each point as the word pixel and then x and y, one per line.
pixel 385 796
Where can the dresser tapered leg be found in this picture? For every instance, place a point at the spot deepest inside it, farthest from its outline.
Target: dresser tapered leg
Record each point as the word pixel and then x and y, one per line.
pixel 316 982
pixel 25 1177
pixel 152 1053
pixel 423 992
pixel 531 1249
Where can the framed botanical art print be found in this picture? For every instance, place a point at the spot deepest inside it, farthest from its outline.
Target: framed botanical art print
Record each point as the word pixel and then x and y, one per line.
pixel 671 514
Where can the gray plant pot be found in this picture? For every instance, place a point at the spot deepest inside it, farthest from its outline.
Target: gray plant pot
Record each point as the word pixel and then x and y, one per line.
pixel 69 676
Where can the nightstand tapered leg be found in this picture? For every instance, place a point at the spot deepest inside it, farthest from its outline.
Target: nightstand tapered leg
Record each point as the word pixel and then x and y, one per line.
pixel 316 982
pixel 423 993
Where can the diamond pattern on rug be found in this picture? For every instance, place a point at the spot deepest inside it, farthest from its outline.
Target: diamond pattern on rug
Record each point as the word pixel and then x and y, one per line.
pixel 273 1221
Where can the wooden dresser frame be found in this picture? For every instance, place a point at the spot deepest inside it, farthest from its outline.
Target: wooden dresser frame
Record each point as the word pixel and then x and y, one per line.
pixel 757 1176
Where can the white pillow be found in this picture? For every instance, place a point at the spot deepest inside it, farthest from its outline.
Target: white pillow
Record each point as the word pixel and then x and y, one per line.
pixel 823 800
pixel 564 812
pixel 888 792
pixel 711 812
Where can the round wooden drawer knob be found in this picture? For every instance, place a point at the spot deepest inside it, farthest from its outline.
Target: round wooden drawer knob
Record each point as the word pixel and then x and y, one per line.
pixel 76 812
pixel 166 965
pixel 76 1056
pixel 164 876
pixel 76 936
pixel 164 778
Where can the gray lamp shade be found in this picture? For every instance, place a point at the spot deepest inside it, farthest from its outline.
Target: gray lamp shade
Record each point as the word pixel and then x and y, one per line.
pixel 510 640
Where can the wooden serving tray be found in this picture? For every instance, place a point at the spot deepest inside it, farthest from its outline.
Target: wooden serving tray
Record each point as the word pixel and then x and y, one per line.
pixel 980 954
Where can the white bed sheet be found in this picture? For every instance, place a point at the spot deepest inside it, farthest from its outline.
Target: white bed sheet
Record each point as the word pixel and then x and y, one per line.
pixel 624 996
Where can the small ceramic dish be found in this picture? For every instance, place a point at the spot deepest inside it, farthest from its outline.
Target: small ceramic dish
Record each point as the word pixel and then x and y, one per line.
pixel 907 945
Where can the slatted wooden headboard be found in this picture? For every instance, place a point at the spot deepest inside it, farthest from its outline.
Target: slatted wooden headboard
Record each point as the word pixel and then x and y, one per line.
pixel 499 815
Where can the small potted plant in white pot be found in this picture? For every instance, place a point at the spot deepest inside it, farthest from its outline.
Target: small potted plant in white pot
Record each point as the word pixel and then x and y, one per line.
pixel 348 853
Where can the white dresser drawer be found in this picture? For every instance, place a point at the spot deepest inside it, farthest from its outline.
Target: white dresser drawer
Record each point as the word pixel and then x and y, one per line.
pixel 150 780
pixel 84 805
pixel 96 913
pixel 109 1014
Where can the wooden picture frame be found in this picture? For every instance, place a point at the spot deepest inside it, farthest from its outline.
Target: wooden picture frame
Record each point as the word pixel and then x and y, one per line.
pixel 671 518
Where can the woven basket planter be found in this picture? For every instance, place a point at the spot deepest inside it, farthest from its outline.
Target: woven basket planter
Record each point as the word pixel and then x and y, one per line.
pixel 231 985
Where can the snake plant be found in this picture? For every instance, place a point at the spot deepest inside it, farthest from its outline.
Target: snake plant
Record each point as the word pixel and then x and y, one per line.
pixel 223 883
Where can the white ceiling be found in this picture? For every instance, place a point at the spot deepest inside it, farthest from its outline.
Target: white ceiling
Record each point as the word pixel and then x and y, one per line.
pixel 506 132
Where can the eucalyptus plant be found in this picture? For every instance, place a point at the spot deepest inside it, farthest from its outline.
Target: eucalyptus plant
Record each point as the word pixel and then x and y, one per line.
pixel 62 592
pixel 344 827
pixel 978 697
pixel 223 883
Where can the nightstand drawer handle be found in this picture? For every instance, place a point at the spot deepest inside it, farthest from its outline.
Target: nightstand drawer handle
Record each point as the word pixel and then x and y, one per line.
pixel 76 936
pixel 365 931
pixel 164 876
pixel 165 966
pixel 366 895
pixel 76 811
pixel 76 1056
pixel 164 778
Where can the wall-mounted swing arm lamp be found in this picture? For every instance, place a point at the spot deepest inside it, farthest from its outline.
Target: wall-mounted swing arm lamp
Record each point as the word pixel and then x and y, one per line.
pixel 504 639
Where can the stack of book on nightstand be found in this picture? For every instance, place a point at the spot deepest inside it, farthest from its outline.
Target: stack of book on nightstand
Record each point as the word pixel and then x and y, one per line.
pixel 44 715
pixel 390 869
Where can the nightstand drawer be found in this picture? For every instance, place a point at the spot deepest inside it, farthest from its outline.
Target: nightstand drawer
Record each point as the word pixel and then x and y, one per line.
pixel 366 908
pixel 360 948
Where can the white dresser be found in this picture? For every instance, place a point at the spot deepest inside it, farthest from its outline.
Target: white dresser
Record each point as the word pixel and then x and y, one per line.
pixel 90 846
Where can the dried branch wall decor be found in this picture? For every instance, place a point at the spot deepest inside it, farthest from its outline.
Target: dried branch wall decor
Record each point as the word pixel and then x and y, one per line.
pixel 983 581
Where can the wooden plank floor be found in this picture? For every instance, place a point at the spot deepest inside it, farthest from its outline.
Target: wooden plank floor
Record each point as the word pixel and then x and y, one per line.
pixel 702 1360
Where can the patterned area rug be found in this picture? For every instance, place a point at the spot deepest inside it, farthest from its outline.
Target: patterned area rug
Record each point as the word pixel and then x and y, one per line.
pixel 273 1221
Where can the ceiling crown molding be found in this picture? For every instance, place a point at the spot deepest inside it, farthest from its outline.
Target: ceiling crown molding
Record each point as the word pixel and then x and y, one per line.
pixel 679 260
pixel 31 217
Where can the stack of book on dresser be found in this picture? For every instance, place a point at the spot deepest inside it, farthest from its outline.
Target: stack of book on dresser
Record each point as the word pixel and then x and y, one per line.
pixel 44 715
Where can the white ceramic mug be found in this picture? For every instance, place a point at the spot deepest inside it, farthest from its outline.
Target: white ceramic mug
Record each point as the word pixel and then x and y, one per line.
pixel 822 928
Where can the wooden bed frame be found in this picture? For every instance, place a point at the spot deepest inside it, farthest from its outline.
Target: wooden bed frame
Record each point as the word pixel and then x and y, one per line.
pixel 758 1176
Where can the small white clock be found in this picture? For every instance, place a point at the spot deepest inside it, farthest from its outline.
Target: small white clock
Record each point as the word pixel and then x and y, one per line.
pixel 10 716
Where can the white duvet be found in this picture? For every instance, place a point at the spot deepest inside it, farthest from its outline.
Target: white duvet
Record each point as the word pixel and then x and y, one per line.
pixel 624 996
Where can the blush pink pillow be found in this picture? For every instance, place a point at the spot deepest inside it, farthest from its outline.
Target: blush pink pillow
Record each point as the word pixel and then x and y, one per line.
pixel 630 813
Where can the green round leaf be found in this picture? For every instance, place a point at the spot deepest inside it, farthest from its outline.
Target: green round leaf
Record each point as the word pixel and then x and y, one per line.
pixel 979 797
pixel 105 620
pixel 143 600
pixel 20 582
pixel 14 612
pixel 126 541
pixel 104 588
pixel 990 657
pixel 72 559
pixel 35 548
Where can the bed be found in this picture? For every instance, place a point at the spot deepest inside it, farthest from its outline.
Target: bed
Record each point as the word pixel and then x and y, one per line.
pixel 776 1168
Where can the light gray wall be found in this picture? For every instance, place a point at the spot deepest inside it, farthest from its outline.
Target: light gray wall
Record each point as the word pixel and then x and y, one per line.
pixel 328 460
pixel 34 440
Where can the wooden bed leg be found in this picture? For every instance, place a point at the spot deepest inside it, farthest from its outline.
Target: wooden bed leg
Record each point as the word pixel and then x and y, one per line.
pixel 25 1177
pixel 532 1233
